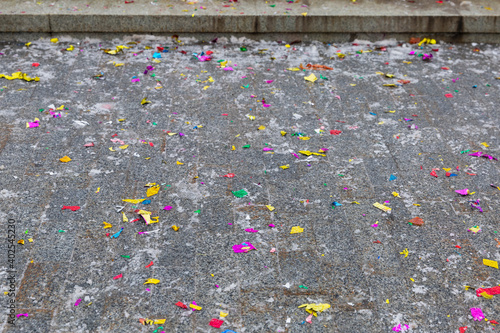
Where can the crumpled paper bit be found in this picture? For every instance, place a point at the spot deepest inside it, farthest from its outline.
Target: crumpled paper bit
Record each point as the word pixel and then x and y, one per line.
pixel 296 230
pixel 152 190
pixel 19 76
pixel 465 191
pixel 119 48
pixel 243 248
pixel 477 314
pixel 240 194
pixel 311 78
pixel 146 321
pixel 315 308
pixel 475 229
pixel 309 153
pixel 479 154
pixel 145 215
pixel 33 124
pixel 487 292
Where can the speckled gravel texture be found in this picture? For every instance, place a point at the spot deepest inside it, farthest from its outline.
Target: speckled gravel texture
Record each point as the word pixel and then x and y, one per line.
pixel 370 286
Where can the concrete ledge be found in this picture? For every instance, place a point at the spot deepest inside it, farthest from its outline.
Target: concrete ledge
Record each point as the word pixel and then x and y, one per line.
pixel 251 16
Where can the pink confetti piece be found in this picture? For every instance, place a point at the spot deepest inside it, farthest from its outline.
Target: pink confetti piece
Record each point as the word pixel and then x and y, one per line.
pixel 167 207
pixel 269 81
pixel 119 276
pixel 251 230
pixel 477 314
pixel 78 302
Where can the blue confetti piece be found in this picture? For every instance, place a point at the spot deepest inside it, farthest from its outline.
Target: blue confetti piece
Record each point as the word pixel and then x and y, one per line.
pixel 117 234
pixel 336 204
pixel 373 114
pixel 146 202
pixel 453 175
pixel 392 177
pixel 157 55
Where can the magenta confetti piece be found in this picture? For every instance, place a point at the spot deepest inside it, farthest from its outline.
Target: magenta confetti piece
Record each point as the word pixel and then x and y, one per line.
pixel 477 313
pixel 269 81
pixel 135 80
pixel 465 191
pixel 33 124
pixel 243 248
pixel 251 230
pixel 296 155
pixel 271 225
pixel 22 314
pixel 78 302
pixel 228 69
pixel 267 149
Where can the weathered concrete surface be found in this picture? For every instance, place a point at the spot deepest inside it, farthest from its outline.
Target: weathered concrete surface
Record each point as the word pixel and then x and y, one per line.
pixel 252 17
pixel 335 257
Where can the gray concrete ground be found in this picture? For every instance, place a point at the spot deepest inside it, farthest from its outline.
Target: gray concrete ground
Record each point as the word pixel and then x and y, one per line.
pixel 371 286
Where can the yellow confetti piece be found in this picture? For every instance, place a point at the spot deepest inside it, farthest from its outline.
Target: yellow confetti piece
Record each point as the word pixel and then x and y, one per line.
pixel 206 87
pixel 311 78
pixel 54 40
pixel 111 148
pixel 233 148
pixel 28 44
pixel 134 201
pixel 172 134
pixel 382 207
pixel 144 101
pixel 305 138
pixel 296 230
pixel 60 108
pixel 287 45
pixel 159 321
pixel 180 163
pixel 107 225
pixel 30 240
pixel 223 314
pixel 70 48
pixel 151 281
pixel 309 153
pixel 293 69
pixel 315 308
pixel 485 144
pixel 284 167
pixel 124 217
pixel 353 84
pixel 389 75
pixel 154 219
pixel 446 169
pixel 396 194
pixel 152 190
pixel 407 62
pixel 283 133
pixel 21 241
pixel 176 228
pixel 19 76
pixel 118 64
pixel 355 202
pixel 196 307
pixel 271 208
pixel 98 189
pixel 387 301
pixel 303 14
pixel 417 205
pixel 412 279
pixel 65 159
pixel 389 85
pixel 491 263
pixel 261 128
pixel 123 147
pixel 405 252
pixel 467 287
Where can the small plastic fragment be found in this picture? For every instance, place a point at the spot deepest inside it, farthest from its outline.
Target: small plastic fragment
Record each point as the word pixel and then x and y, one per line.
pixel 417 221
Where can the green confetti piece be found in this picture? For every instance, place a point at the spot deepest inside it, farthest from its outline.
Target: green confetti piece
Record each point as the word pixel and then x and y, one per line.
pixel 246 86
pixel 222 60
pixel 41 110
pixel 26 232
pixel 246 146
pixel 62 231
pixel 272 6
pixel 197 211
pixel 240 193
pixel 465 151
pixel 341 175
pixel 303 287
pixel 125 256
pixel 155 123
pixel 323 78
pixel 243 49
pixel 153 75
pixel 324 184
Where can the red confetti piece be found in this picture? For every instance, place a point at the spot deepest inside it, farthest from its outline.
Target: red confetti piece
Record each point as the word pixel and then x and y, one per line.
pixel 448 95
pixel 150 264
pixel 462 329
pixel 471 174
pixel 445 68
pixel 458 246
pixel 119 276
pixel 89 144
pixel 73 208
pixel 335 132
pixel 216 323
pixel 181 305
pixel 209 52
pixel 433 173
pixel 229 175
pixel 35 64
